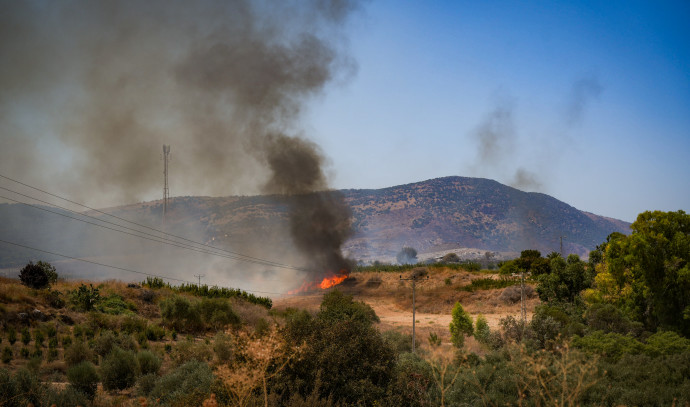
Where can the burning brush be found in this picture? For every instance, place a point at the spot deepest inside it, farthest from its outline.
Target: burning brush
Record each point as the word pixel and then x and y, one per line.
pixel 327 282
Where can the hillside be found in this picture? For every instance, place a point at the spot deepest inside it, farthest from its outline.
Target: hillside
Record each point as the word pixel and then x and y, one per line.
pixel 435 216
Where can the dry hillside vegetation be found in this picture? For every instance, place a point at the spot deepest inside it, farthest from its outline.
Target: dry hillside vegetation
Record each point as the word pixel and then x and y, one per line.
pixel 391 299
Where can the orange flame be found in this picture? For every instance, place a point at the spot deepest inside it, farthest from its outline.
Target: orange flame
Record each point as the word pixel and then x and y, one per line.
pixel 327 282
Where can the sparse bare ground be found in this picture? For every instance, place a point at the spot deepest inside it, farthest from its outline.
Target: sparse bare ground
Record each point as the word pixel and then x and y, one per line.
pixel 391 298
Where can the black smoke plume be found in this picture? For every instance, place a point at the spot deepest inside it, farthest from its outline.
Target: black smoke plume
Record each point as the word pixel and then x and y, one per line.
pixel 89 91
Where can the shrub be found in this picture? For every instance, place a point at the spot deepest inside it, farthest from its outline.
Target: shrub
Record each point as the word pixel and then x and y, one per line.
pixel 337 306
pixel 68 397
pixel 460 325
pixel 84 378
pixel 115 305
pixel 188 384
pixel 181 315
pixel 132 324
pixel 487 284
pixel 35 275
pixel 105 343
pixel 398 341
pixel 66 341
pixel 154 332
pixel 78 352
pixel 29 388
pixel 146 384
pixel 24 353
pixel 26 336
pixel 85 298
pixel 119 370
pixel 11 335
pixel 223 347
pixel 513 293
pixel 412 382
pixel 482 332
pixel 39 337
pixel 7 354
pixel 434 340
pixel 190 350
pixel 54 299
pixel 217 312
pixel 149 363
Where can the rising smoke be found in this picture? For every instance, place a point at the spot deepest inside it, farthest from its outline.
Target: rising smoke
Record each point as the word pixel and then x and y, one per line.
pixel 497 145
pixel 105 84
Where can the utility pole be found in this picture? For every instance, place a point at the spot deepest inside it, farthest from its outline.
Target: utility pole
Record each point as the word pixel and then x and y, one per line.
pixel 166 191
pixel 414 279
pixel 199 276
pixel 523 306
pixel 562 236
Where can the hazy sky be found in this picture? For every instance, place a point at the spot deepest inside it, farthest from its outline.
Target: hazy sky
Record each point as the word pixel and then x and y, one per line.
pixel 586 101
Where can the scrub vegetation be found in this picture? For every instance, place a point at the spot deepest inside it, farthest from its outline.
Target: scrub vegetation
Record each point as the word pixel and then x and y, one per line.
pixel 609 331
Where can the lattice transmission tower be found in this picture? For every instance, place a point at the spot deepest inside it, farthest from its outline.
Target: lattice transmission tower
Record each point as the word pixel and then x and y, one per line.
pixel 166 190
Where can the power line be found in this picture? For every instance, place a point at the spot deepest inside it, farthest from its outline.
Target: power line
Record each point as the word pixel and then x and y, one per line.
pixel 164 241
pixel 122 268
pixel 242 257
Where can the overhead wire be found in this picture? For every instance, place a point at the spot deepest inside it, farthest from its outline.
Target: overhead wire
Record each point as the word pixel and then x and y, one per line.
pixel 122 268
pixel 153 238
pixel 241 257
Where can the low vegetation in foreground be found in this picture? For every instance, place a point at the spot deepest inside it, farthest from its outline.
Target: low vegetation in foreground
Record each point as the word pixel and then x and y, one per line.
pixel 610 331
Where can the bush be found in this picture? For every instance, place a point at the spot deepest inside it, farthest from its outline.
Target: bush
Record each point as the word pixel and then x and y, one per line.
pixel 119 370
pixel 179 314
pixel 488 284
pixel 78 352
pixel 398 341
pixel 7 355
pixel 131 324
pixel 37 275
pixel 26 336
pixel 223 347
pixel 460 325
pixel 115 305
pixel 513 293
pixel 105 343
pixel 39 337
pixel 482 332
pixel 217 312
pixel 84 378
pixel 412 383
pixel 146 384
pixel 149 363
pixel 11 335
pixel 85 298
pixel 187 385
pixel 190 350
pixel 154 332
pixel 337 306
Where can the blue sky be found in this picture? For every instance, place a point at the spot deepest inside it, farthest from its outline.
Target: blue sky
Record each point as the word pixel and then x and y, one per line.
pixel 597 97
pixel 586 101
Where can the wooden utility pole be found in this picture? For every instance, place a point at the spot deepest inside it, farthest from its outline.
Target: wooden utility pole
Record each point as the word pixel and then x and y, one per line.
pixel 199 276
pixel 414 279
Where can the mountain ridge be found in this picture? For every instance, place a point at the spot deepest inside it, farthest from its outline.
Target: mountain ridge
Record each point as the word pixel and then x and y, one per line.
pixel 441 214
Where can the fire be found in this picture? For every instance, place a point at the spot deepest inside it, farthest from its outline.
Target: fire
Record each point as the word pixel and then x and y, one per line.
pixel 327 282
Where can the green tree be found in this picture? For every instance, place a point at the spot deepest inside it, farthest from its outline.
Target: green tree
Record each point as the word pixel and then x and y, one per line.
pixel 37 275
pixel 659 253
pixel 344 352
pixel 119 370
pixel 566 280
pixel 84 378
pixel 460 325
